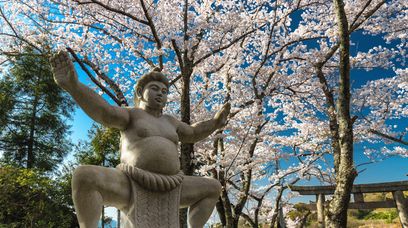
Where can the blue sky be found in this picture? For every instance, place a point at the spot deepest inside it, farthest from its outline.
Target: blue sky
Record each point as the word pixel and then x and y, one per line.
pixel 391 169
pixel 388 170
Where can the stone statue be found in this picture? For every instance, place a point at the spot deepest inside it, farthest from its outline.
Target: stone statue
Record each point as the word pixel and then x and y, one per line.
pixel 149 175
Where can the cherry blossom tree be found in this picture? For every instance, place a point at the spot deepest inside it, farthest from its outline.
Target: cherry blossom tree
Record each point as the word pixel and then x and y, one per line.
pixel 308 96
pixel 277 62
pixel 323 99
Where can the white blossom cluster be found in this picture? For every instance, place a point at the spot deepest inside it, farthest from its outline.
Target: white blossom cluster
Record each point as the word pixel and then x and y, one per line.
pixel 264 57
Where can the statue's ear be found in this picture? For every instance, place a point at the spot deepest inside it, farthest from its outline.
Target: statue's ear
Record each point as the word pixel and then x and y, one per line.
pixel 139 92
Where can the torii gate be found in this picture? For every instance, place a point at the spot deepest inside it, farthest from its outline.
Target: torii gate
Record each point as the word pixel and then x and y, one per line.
pixel 399 202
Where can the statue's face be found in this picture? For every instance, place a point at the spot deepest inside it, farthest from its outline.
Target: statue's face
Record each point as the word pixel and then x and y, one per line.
pixel 154 94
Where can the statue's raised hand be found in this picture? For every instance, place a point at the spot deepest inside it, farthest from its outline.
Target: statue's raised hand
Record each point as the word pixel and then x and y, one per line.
pixel 64 72
pixel 222 115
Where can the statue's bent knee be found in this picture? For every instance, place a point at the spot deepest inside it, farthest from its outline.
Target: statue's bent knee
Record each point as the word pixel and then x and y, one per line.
pixel 84 176
pixel 216 188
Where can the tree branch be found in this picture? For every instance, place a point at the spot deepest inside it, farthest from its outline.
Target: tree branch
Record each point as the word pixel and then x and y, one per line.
pixel 215 51
pixel 248 219
pixel 389 137
pixel 112 10
pixel 110 82
pixel 154 32
pixel 94 80
pixel 366 17
pixel 178 53
pixel 16 35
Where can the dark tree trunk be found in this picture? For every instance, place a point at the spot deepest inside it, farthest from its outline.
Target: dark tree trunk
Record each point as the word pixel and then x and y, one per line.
pixel 337 212
pixel 227 208
pixel 276 208
pixel 235 221
pixel 186 149
pixel 221 212
pixel 246 178
pixel 30 145
pixel 256 214
pixel 218 147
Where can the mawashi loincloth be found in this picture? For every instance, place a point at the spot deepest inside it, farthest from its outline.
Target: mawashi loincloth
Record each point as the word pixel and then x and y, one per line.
pixel 155 199
pixel 152 181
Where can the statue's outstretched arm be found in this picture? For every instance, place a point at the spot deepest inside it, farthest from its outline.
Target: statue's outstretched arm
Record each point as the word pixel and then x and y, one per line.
pixel 92 103
pixel 201 130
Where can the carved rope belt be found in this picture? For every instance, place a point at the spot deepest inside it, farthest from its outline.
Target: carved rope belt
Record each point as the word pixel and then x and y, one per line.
pixel 152 181
pixel 154 201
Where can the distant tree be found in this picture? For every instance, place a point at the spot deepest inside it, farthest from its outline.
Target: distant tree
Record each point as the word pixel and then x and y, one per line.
pixel 6 101
pixel 33 133
pixel 64 178
pixel 102 149
pixel 28 198
pixel 300 214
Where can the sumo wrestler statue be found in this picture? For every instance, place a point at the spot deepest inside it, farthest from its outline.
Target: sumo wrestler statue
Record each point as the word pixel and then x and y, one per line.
pixel 148 183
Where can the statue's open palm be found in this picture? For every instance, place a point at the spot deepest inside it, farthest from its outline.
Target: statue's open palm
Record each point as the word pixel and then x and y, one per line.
pixel 64 72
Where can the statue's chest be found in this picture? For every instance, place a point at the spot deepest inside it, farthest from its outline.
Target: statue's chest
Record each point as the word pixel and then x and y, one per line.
pixel 155 127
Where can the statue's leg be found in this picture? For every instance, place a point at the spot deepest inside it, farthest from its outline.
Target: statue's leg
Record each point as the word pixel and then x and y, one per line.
pixel 95 186
pixel 200 194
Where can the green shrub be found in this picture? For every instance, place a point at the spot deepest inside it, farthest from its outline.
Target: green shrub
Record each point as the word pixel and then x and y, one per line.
pixel 388 215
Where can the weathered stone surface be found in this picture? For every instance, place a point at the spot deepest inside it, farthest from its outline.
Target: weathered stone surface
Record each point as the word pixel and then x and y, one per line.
pixel 402 207
pixel 149 142
pixel 320 210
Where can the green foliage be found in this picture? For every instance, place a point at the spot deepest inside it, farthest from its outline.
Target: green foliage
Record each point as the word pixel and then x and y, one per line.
pixel 28 198
pixel 64 185
pixel 388 215
pixel 361 214
pixel 301 213
pixel 378 216
pixel 103 149
pixel 6 100
pixel 32 124
pixel 298 210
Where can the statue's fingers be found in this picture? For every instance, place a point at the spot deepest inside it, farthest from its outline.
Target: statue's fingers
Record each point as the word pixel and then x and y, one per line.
pixel 65 55
pixel 62 53
pixel 62 57
pixel 68 60
pixel 52 61
pixel 56 60
pixel 57 63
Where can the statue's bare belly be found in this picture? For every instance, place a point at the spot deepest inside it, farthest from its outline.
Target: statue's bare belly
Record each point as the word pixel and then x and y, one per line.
pixel 155 154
